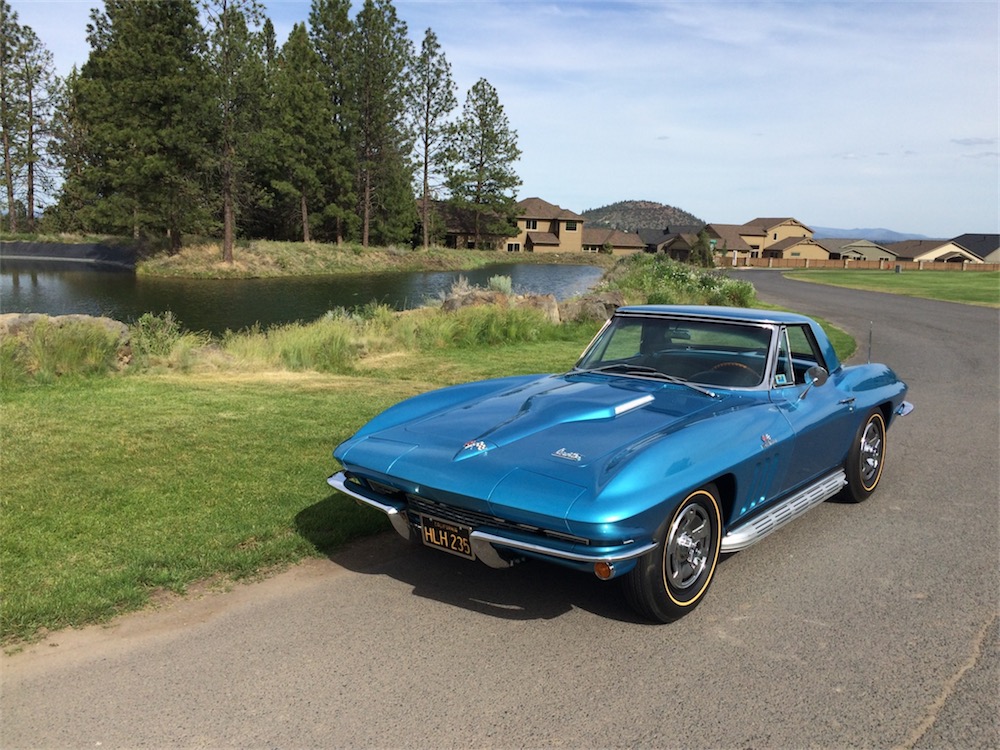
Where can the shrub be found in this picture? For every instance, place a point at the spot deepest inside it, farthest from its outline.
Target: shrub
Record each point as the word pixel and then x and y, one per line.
pixel 48 349
pixel 501 284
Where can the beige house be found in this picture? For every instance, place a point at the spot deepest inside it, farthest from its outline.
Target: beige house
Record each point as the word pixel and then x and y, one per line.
pixel 856 250
pixel 937 251
pixel 796 247
pixel 600 239
pixel 544 227
pixel 754 237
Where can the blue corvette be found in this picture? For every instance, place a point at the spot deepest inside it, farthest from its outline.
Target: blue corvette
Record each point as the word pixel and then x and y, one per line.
pixel 682 433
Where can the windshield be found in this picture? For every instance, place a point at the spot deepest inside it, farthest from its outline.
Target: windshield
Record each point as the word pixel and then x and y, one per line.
pixel 707 352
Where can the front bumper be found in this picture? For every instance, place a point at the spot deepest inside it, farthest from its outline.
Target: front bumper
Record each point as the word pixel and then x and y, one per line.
pixel 486 541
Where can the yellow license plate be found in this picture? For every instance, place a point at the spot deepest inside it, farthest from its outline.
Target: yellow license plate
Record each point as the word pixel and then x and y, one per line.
pixel 446 536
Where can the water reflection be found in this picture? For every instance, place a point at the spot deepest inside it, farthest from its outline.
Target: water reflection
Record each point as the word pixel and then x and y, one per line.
pixel 218 305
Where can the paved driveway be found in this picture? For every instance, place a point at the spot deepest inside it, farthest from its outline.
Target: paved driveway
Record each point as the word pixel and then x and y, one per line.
pixel 856 626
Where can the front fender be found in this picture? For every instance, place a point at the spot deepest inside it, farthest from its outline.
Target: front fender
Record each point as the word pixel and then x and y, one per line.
pixel 639 490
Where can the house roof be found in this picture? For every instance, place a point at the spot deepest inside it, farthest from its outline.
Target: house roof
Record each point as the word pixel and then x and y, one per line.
pixel 916 249
pixel 542 238
pixel 766 224
pixel 789 242
pixel 980 245
pixel 536 208
pixel 602 235
pixel 840 245
pixel 657 237
pixel 730 236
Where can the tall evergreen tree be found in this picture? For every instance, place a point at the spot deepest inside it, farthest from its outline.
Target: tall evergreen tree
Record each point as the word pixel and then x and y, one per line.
pixel 28 88
pixel 379 64
pixel 238 78
pixel 330 29
pixel 145 105
pixel 433 102
pixel 482 177
pixel 300 127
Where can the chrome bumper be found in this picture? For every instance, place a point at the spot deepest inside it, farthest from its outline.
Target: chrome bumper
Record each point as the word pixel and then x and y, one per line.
pixel 482 541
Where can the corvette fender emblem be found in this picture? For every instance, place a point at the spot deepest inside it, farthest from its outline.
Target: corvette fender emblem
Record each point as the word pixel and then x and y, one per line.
pixel 474 445
pixel 568 455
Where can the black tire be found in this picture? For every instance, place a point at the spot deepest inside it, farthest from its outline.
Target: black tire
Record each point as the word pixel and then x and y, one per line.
pixel 670 581
pixel 865 459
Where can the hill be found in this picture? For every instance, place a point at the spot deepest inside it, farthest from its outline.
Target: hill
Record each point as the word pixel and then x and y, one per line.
pixel 635 215
pixel 877 235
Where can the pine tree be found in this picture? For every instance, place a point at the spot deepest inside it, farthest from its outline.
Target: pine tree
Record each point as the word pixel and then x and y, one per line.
pixel 144 106
pixel 238 78
pixel 330 30
pixel 433 102
pixel 379 62
pixel 28 90
pixel 300 126
pixel 482 178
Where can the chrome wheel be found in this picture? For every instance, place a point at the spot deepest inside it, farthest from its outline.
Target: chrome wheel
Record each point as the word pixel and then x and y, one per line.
pixel 688 543
pixel 872 443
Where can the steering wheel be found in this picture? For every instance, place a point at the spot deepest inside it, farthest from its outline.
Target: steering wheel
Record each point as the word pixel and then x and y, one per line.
pixel 729 372
pixel 738 365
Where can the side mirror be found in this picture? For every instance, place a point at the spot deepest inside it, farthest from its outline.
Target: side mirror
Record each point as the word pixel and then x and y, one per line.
pixel 815 376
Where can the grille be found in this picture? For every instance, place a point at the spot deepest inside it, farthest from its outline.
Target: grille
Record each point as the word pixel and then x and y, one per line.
pixel 416 505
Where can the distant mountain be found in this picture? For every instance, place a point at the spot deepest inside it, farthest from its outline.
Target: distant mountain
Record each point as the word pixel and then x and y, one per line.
pixel 634 215
pixel 879 236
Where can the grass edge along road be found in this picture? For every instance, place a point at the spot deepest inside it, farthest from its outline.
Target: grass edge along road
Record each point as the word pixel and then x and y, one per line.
pixel 968 287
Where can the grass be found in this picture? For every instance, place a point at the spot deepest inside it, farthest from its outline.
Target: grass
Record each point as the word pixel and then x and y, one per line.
pixel 969 287
pixel 264 259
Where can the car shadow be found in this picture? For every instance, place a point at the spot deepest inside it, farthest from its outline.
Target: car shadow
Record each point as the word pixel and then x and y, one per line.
pixel 531 590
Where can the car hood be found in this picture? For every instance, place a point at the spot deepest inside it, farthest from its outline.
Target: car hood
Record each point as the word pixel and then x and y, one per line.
pixel 549 441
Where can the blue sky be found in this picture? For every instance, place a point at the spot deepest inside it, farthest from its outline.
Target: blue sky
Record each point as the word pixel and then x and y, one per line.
pixel 869 114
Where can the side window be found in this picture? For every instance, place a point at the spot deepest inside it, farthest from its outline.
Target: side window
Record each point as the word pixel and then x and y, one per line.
pixel 805 351
pixel 784 374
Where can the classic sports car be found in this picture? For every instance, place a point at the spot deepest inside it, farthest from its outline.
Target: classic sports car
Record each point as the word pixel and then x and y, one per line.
pixel 682 433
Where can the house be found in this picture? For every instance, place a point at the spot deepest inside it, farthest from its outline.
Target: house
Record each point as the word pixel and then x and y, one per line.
pixel 727 239
pixel 598 239
pixel 856 250
pixel 458 224
pixel 796 247
pixel 985 246
pixel 544 227
pixel 937 251
pixel 754 237
pixel 676 241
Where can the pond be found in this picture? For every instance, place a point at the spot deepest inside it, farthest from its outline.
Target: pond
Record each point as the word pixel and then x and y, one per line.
pixel 61 288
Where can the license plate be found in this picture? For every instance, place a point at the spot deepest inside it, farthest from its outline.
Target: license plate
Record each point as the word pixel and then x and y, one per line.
pixel 447 536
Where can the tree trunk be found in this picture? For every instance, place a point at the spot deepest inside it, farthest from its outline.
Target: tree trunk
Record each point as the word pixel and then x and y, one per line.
pixel 228 221
pixel 366 208
pixel 305 219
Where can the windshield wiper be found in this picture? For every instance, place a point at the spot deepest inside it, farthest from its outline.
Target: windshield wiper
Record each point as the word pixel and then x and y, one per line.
pixel 644 371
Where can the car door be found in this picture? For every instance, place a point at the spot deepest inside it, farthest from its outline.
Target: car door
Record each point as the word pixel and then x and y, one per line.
pixel 821 416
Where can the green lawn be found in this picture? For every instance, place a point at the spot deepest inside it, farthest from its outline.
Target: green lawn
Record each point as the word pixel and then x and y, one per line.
pixel 970 287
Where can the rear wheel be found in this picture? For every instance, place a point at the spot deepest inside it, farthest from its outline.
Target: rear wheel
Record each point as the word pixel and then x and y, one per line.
pixel 670 581
pixel 866 458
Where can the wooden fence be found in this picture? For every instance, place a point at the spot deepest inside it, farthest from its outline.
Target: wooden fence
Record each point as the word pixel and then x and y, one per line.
pixel 861 265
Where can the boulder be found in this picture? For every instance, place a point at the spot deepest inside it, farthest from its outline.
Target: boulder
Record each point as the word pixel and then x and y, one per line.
pixel 14 324
pixel 596 306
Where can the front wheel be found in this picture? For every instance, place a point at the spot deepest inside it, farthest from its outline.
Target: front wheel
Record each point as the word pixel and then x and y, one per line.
pixel 866 458
pixel 670 581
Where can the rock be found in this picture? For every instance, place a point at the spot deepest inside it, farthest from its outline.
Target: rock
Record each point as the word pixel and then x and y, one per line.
pixel 546 303
pixel 597 306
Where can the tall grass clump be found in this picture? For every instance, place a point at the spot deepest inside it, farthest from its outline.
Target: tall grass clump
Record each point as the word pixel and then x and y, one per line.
pixel 478 325
pixel 159 340
pixel 659 280
pixel 46 350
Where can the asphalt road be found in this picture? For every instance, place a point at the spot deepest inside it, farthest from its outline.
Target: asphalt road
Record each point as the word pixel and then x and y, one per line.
pixel 873 625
